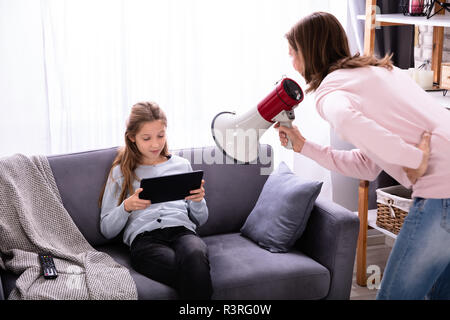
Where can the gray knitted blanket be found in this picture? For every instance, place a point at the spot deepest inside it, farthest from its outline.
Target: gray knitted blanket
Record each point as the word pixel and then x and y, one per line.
pixel 34 220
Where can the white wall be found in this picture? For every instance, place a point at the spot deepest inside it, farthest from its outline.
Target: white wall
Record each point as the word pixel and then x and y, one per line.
pixel 424 48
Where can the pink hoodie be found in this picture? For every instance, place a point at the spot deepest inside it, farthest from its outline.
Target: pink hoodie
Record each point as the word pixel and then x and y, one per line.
pixel 383 114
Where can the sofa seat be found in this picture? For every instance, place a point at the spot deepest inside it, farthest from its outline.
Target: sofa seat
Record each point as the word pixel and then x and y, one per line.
pixel 147 288
pixel 242 270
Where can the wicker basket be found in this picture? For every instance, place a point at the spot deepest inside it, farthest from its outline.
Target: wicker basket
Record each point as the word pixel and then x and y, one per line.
pixel 393 206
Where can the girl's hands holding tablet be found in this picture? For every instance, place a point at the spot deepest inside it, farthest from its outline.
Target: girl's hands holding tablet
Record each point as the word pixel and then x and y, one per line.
pixel 197 195
pixel 133 203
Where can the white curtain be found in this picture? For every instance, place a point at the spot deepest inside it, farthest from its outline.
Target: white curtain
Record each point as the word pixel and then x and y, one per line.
pixel 355 27
pixel 23 105
pixel 71 70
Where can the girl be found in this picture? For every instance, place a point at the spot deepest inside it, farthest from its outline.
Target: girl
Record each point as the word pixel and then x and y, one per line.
pixel 163 243
pixel 396 127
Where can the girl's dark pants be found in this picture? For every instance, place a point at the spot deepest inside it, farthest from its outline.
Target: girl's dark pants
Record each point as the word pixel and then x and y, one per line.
pixel 175 256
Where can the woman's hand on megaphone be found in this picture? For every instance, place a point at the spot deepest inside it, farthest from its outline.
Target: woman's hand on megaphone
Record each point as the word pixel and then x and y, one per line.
pixel 293 134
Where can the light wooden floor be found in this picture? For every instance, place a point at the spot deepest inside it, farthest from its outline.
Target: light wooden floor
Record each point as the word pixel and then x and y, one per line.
pixel 378 250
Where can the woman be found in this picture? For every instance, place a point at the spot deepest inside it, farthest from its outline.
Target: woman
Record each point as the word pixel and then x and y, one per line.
pixel 396 127
pixel 162 237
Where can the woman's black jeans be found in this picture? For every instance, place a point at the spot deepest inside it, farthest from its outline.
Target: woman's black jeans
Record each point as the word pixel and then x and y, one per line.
pixel 177 257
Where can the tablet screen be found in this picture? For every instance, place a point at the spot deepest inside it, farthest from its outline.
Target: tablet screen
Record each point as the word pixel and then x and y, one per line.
pixel 170 187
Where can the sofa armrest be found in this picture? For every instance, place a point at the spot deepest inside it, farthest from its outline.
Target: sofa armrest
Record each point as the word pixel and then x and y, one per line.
pixel 330 238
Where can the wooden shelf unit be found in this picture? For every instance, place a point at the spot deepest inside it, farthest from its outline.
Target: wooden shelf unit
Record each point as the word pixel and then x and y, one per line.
pixel 372 222
pixel 400 19
pixel 372 21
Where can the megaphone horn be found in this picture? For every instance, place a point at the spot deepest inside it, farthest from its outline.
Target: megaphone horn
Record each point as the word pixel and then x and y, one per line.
pixel 238 135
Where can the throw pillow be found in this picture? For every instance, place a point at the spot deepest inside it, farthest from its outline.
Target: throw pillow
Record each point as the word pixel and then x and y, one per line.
pixel 283 208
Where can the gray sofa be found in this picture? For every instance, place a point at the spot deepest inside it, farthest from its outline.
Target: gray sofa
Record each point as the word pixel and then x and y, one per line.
pixel 319 267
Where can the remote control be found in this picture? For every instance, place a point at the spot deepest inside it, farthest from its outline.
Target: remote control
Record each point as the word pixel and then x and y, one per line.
pixel 48 266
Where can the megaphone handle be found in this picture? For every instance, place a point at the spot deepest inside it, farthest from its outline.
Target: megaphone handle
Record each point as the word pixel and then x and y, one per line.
pixel 287 124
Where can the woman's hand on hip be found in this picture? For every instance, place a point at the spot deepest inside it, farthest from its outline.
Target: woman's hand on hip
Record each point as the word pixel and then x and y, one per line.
pixel 293 134
pixel 198 194
pixel 424 145
pixel 133 203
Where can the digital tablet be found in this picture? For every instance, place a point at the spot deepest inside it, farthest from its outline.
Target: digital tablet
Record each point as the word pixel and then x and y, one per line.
pixel 171 187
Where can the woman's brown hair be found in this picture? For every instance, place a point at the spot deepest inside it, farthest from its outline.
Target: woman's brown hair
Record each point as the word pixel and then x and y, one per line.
pixel 129 156
pixel 323 43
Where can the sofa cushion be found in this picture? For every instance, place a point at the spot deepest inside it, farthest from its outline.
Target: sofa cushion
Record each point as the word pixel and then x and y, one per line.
pixel 282 211
pixel 242 270
pixel 147 288
pixel 239 270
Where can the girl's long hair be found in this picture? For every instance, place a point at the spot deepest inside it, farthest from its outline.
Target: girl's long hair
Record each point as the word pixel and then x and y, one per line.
pixel 322 41
pixel 129 157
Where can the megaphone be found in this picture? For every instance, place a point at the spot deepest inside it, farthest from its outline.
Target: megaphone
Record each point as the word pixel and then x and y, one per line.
pixel 238 135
